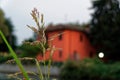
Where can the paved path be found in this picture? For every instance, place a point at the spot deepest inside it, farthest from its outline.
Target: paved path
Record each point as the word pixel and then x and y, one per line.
pixel 7 68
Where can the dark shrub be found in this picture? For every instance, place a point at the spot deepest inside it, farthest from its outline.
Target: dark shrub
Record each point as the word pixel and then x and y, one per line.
pixel 90 69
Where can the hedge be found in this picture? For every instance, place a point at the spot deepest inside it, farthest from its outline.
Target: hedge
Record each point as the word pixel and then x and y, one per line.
pixel 90 69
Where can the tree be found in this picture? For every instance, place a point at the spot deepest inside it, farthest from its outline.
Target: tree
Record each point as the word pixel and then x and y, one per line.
pixel 105 28
pixel 11 38
pixel 3 27
pixel 7 28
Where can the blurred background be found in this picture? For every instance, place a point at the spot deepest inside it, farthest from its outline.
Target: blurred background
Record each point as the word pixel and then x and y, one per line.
pixel 97 22
pixel 55 12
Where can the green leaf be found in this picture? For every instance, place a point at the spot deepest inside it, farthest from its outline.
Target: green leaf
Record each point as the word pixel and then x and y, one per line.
pixel 15 57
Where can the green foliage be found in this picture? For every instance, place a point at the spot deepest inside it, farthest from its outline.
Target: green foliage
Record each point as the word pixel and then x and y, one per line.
pixel 29 50
pixel 13 54
pixel 3 27
pixel 105 28
pixel 7 28
pixel 90 69
pixel 34 46
pixel 3 58
pixel 11 37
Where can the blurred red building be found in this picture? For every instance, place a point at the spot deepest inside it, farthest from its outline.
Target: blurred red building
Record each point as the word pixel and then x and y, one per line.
pixel 72 43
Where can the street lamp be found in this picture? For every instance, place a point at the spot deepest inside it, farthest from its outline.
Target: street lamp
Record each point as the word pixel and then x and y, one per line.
pixel 101 55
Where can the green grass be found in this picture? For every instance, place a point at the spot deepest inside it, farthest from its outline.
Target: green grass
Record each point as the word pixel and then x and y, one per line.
pixel 15 57
pixel 43 46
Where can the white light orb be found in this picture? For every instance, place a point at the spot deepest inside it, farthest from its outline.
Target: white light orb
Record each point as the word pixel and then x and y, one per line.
pixel 101 55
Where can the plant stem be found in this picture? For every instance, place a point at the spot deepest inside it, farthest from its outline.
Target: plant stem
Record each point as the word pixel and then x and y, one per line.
pixel 15 57
pixel 44 59
pixel 39 70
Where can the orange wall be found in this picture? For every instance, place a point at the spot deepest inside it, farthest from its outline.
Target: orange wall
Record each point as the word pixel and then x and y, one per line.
pixel 70 44
pixel 82 48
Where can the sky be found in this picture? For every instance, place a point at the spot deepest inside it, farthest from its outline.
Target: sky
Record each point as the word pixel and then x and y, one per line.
pixel 55 11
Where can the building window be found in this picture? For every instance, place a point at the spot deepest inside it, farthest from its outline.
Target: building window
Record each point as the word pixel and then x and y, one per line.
pixel 60 36
pixel 81 38
pixel 46 36
pixel 91 54
pixel 60 54
pixel 75 55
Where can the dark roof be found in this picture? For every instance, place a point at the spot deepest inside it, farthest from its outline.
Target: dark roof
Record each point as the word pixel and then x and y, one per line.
pixel 63 27
pixel 59 27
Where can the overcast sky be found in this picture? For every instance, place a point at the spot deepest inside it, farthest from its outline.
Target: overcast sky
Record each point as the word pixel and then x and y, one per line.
pixel 55 11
